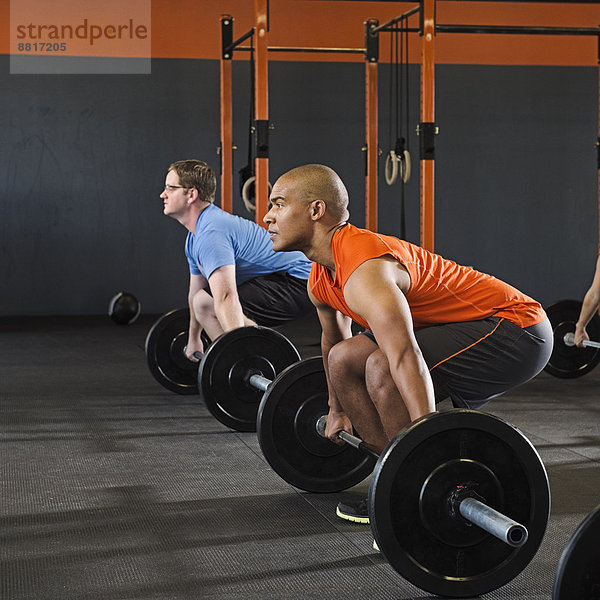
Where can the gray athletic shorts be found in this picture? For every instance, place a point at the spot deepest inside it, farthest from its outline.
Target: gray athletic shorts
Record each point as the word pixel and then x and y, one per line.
pixel 473 362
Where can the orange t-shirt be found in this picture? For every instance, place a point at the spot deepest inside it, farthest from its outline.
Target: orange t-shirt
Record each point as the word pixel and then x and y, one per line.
pixel 440 290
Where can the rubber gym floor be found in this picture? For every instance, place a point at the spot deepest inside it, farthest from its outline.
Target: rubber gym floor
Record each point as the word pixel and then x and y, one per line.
pixel 114 488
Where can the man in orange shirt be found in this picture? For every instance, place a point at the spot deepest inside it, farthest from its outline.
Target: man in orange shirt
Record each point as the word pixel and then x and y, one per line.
pixel 433 329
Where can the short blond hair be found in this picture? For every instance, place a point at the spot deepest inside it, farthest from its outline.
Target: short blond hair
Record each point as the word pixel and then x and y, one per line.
pixel 196 174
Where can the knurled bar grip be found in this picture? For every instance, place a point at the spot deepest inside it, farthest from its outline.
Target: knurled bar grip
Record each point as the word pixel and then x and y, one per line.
pixel 350 439
pixel 569 340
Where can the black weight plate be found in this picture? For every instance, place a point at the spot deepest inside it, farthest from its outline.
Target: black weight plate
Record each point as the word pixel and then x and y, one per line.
pixel 511 475
pixel 571 361
pixel 222 377
pixel 287 433
pixel 165 353
pixel 578 574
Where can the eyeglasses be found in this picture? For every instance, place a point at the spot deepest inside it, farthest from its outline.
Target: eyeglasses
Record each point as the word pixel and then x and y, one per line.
pixel 170 188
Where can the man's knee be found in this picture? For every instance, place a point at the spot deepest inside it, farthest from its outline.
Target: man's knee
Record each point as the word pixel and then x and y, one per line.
pixel 203 305
pixel 339 358
pixel 346 360
pixel 377 372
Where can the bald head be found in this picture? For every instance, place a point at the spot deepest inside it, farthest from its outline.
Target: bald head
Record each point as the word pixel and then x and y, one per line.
pixel 318 182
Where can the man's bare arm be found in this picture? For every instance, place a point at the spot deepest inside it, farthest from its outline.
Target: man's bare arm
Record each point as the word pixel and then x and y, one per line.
pixel 375 291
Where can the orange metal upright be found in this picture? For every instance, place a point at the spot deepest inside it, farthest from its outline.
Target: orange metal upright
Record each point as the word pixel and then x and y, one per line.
pixel 372 147
pixel 371 131
pixel 226 117
pixel 261 109
pixel 428 118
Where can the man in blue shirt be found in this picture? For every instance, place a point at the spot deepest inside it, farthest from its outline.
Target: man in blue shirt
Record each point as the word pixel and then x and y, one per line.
pixel 236 279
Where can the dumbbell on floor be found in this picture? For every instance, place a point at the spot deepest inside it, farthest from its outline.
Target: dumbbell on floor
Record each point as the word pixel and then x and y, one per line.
pixel 433 481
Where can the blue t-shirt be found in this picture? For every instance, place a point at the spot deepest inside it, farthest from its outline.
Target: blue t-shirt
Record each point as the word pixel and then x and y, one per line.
pixel 223 239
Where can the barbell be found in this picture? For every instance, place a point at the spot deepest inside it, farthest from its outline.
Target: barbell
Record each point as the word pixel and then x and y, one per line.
pixel 165 352
pixel 223 375
pixel 440 490
pixel 237 368
pixel 439 493
pixel 569 361
pixel 462 499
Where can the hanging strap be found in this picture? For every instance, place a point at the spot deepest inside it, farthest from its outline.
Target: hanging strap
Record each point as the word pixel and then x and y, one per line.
pixel 247 177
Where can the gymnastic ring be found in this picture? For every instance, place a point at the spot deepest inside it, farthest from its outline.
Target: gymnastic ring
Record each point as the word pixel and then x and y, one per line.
pixel 246 193
pixel 391 168
pixel 405 166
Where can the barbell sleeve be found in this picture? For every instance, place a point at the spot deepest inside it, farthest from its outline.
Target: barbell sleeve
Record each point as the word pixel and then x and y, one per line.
pixel 569 340
pixel 256 380
pixel 490 520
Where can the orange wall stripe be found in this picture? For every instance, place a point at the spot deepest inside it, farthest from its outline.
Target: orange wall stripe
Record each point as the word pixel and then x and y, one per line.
pixel 191 29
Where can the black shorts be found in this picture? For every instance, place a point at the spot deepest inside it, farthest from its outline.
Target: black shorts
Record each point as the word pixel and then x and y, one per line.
pixel 475 361
pixel 274 299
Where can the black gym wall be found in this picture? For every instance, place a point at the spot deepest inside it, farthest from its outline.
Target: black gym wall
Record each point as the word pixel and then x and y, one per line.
pixel 84 158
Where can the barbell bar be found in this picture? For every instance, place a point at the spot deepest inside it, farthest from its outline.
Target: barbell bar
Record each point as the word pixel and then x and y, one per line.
pixel 476 512
pixel 351 440
pixel 569 340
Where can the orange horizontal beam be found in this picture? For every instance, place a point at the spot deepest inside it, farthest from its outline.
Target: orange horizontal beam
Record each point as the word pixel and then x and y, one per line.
pixel 312 26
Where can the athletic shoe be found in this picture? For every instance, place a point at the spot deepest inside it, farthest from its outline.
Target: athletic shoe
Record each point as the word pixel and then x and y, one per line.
pixel 353 511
